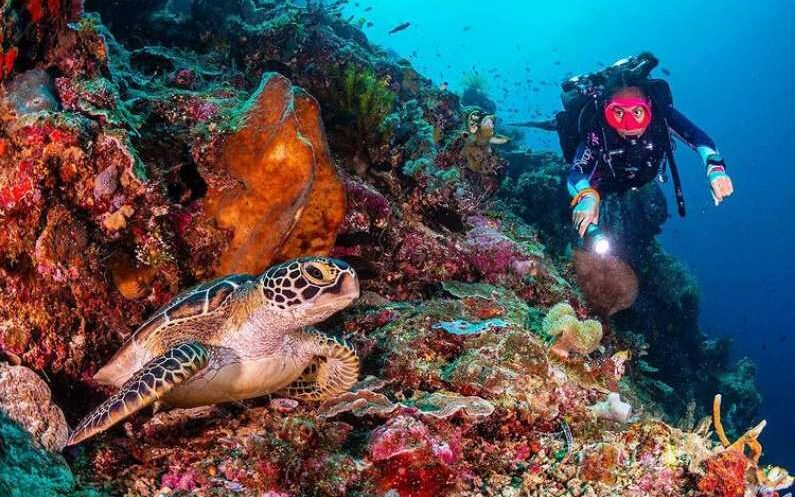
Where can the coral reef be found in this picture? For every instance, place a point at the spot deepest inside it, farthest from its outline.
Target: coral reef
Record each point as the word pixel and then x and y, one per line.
pixel 731 472
pixel 139 160
pixel 688 368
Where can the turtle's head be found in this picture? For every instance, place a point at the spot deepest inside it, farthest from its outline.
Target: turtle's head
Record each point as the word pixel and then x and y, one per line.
pixel 309 289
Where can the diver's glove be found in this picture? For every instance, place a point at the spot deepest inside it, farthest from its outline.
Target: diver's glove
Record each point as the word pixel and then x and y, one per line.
pixel 586 210
pixel 719 182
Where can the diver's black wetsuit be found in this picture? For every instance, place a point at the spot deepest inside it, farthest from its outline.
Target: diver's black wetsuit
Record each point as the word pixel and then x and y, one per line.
pixel 611 164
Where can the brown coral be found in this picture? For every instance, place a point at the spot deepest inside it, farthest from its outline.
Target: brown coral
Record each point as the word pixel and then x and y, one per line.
pixel 276 188
pixel 609 284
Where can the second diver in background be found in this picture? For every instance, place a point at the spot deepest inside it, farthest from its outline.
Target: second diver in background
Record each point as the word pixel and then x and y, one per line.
pixel 616 132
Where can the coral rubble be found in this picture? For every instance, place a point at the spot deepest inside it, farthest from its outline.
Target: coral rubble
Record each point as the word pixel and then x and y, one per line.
pixel 159 144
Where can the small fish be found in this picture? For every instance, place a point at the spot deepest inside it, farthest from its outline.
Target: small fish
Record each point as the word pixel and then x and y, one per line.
pixel 467 28
pixel 665 71
pixel 369 24
pixel 368 9
pixel 399 27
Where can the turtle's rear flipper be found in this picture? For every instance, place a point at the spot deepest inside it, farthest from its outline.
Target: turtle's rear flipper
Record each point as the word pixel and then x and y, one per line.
pixel 334 370
pixel 155 379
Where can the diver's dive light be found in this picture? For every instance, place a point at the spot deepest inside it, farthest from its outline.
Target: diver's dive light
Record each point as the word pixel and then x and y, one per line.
pixel 597 241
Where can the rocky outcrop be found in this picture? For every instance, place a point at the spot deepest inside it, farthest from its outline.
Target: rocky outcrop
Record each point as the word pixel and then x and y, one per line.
pixel 26 399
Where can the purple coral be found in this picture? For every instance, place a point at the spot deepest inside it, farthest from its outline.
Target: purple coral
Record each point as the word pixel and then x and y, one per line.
pixel 493 253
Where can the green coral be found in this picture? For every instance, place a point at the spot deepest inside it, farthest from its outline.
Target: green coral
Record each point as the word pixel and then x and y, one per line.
pixel 414 135
pixel 365 98
pixel 29 471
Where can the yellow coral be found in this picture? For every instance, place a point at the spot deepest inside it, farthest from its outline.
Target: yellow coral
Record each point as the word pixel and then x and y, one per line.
pixel 749 439
pixel 573 335
pixel 768 479
pixel 555 314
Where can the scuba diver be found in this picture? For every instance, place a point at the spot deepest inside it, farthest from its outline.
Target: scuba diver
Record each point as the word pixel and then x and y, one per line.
pixel 616 132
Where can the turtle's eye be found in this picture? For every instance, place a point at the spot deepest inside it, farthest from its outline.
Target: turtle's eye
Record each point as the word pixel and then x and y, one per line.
pixel 618 112
pixel 638 113
pixel 318 274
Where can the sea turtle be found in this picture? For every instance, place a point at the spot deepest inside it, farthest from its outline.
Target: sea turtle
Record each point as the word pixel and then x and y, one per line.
pixel 479 137
pixel 234 338
pixel 481 129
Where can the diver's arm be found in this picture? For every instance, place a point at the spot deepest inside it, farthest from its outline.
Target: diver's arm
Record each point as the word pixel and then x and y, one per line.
pixel 583 173
pixel 692 135
pixel 688 132
pixel 583 187
pixel 720 183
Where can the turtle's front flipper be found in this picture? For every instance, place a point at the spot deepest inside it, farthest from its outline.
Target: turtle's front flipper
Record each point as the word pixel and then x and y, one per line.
pixel 155 379
pixel 334 370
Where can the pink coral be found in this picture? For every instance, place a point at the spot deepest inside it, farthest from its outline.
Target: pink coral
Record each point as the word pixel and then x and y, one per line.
pixel 494 254
pixel 179 480
pixel 400 435
pixel 368 203
pixel 409 459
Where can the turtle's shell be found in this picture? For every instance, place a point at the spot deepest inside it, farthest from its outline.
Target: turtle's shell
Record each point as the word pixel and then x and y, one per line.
pixel 194 314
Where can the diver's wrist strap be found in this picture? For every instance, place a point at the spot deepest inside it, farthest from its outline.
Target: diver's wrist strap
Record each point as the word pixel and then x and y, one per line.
pixel 584 193
pixel 716 169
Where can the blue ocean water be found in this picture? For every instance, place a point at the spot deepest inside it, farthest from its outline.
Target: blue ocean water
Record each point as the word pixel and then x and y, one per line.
pixel 732 69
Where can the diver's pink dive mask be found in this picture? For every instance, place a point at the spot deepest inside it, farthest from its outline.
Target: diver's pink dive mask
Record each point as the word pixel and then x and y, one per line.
pixel 631 115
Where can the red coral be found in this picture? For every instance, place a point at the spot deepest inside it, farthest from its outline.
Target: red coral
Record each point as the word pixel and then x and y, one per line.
pixel 200 111
pixel 493 254
pixel 725 475
pixel 600 465
pixel 409 459
pixel 7 60
pixel 36 10
pixel 54 7
pixel 368 202
pixel 410 475
pixel 21 186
